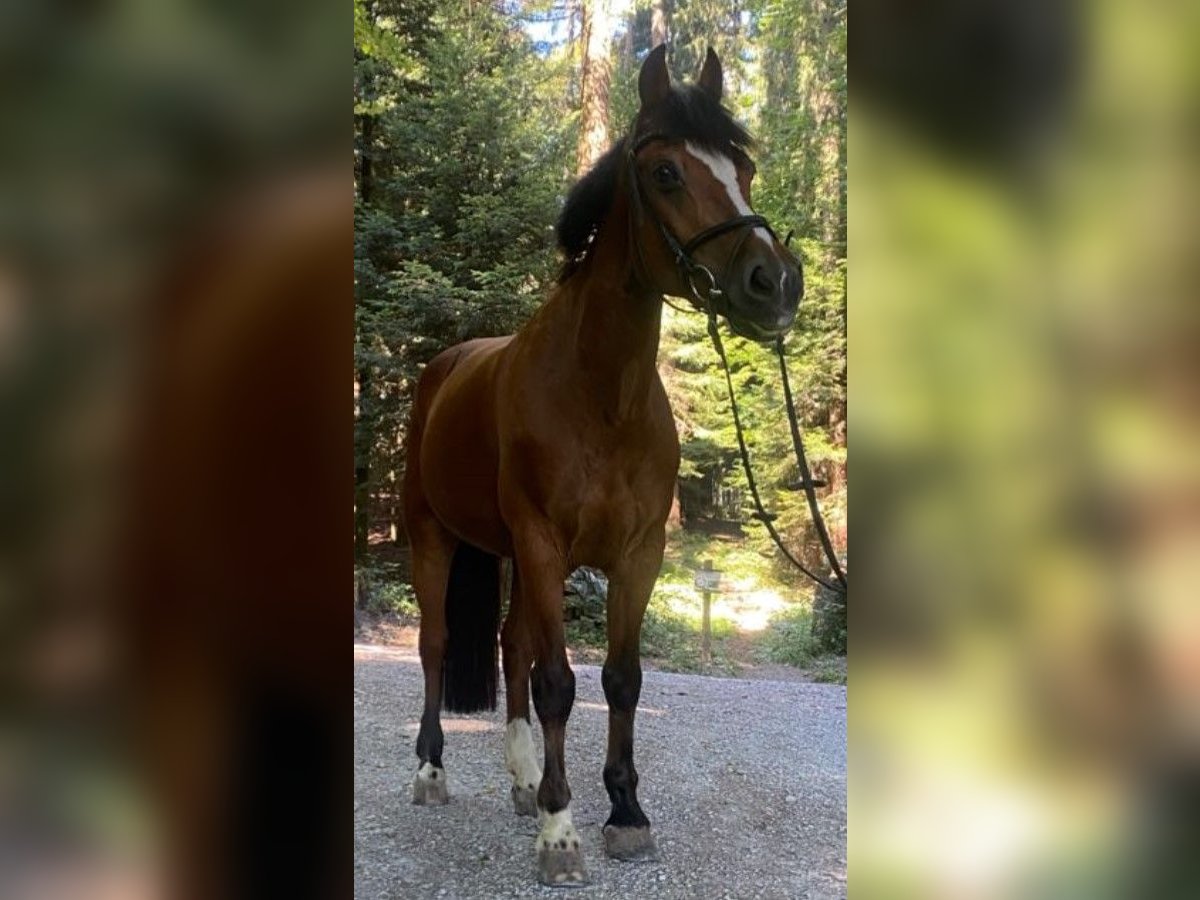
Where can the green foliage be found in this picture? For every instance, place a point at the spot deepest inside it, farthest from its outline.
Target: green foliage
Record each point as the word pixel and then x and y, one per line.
pixel 673 628
pixel 829 670
pixel 829 628
pixel 789 637
pixel 462 152
pixel 792 638
pixel 739 560
pixel 379 591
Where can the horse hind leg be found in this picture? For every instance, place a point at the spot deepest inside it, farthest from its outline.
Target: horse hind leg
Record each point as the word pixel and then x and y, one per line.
pixel 458 649
pixel 520 754
pixel 432 554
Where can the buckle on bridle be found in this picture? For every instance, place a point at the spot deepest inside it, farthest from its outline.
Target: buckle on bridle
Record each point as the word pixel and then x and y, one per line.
pixel 712 293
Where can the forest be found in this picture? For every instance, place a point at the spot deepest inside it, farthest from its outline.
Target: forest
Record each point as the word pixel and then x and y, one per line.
pixel 471 121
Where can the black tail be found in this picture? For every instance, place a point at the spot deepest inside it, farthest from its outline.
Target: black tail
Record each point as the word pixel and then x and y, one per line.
pixel 472 629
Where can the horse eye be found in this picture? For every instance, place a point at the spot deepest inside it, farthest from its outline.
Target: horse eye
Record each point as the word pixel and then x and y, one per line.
pixel 665 175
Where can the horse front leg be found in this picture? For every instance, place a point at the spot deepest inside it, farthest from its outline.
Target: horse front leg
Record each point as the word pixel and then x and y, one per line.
pixel 627 832
pixel 520 756
pixel 542 567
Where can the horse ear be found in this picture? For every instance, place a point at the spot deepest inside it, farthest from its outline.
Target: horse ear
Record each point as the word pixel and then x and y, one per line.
pixel 710 80
pixel 654 82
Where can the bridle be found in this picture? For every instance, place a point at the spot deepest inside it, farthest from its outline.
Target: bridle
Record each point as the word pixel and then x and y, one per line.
pixel 713 302
pixel 714 299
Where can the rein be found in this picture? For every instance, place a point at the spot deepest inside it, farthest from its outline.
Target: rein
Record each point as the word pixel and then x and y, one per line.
pixel 761 514
pixel 710 304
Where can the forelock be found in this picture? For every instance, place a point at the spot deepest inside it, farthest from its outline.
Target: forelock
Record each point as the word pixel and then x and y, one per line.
pixel 687 113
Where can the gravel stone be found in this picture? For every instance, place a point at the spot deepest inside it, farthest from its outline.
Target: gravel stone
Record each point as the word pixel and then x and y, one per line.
pixel 744 783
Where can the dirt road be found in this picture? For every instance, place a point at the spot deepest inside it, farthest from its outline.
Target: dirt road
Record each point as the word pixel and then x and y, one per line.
pixel 744 782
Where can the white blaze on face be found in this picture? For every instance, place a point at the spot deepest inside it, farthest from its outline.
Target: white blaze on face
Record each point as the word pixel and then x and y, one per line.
pixel 558 831
pixel 724 171
pixel 519 755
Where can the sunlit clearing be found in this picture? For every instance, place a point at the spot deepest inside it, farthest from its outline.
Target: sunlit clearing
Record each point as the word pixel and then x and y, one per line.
pixel 749 611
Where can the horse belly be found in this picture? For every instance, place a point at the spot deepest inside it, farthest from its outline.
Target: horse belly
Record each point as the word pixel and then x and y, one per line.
pixel 459 470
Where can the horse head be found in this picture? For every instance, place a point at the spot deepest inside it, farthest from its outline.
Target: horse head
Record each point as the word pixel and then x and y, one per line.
pixel 689 173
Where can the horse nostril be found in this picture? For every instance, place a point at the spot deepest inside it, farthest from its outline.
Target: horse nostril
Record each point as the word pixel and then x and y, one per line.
pixel 760 283
pixel 795 289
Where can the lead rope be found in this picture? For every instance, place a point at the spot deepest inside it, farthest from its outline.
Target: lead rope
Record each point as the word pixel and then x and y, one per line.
pixel 705 304
pixel 805 473
pixel 762 515
pixel 797 444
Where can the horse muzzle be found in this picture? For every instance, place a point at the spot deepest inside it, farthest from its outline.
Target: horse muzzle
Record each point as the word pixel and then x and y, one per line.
pixel 762 302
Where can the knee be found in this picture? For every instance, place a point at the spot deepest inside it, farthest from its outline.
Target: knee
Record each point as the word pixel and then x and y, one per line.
pixel 622 684
pixel 553 689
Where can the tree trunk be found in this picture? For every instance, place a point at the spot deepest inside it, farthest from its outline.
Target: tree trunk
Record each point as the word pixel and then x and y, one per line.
pixel 362 471
pixel 595 79
pixel 675 516
pixel 393 508
pixel 658 23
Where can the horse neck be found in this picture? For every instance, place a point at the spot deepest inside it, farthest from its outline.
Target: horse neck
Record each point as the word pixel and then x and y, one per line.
pixel 617 322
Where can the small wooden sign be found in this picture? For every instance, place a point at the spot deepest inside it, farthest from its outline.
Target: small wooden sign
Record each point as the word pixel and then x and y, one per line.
pixel 707 580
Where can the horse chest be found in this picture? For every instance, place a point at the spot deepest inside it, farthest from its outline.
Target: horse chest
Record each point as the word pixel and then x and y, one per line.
pixel 604 526
pixel 619 500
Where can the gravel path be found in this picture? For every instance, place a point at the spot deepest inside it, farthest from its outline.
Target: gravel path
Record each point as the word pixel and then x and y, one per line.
pixel 743 781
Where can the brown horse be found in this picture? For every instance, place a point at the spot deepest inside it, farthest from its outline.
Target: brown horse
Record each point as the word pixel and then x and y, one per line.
pixel 556 448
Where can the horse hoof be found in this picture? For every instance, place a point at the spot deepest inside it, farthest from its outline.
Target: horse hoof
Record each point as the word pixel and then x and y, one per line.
pixel 430 789
pixel 630 844
pixel 561 868
pixel 525 800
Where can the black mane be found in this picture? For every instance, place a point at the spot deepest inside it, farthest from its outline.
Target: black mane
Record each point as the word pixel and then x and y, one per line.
pixel 686 114
pixel 585 209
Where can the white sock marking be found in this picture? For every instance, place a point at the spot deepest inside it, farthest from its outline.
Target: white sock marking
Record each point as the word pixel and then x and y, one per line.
pixel 724 171
pixel 519 755
pixel 558 829
pixel 430 772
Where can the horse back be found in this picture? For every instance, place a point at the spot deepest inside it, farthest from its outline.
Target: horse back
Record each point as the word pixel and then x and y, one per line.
pixel 441 367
